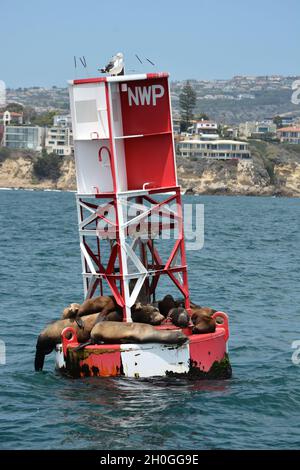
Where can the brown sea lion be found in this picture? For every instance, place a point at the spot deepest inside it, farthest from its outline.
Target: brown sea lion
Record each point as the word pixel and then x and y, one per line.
pixel 203 321
pixel 181 303
pixel 146 314
pixel 111 316
pixel 179 317
pixel 103 303
pixel 51 336
pixel 166 304
pixel 114 332
pixel 143 295
pixel 70 311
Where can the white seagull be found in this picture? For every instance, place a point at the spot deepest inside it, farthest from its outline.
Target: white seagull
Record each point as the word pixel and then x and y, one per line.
pixel 115 66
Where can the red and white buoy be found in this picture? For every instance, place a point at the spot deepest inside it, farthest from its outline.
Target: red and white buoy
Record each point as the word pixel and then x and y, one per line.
pixel 128 199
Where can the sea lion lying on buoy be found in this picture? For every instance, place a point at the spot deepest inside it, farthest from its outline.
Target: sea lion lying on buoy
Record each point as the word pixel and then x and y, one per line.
pixel 114 332
pixel 181 303
pixel 70 311
pixel 146 314
pixel 51 336
pixel 108 309
pixel 203 321
pixel 111 316
pixel 166 304
pixel 103 303
pixel 179 317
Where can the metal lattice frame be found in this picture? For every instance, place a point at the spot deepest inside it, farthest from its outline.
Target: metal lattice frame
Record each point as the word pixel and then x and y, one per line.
pixel 124 264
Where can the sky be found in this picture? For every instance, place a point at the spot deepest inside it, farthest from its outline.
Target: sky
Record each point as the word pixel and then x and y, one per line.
pixel 201 39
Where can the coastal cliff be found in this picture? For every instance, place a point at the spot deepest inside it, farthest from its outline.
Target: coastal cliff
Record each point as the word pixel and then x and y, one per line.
pixel 273 170
pixel 17 172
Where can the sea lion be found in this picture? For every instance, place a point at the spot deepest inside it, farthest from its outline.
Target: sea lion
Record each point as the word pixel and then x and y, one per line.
pixel 203 321
pixel 114 332
pixel 143 295
pixel 179 317
pixel 111 316
pixel 103 303
pixel 146 314
pixel 181 303
pixel 51 336
pixel 166 304
pixel 70 311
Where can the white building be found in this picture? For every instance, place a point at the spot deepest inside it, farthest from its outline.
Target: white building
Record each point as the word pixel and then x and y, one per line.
pixel 289 135
pixel 256 128
pixel 24 137
pixel 62 120
pixel 205 129
pixel 216 149
pixel 59 138
pixel 176 124
pixel 9 117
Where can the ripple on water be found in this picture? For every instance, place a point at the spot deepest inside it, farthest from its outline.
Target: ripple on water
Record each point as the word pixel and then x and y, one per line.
pixel 249 266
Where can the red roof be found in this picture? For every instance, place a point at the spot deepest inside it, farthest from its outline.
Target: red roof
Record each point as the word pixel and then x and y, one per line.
pixel 289 129
pixel 12 113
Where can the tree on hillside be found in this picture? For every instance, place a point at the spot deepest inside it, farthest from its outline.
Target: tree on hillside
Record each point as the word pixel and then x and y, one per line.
pixel 187 103
pixel 277 121
pixel 29 115
pixel 47 166
pixel 14 108
pixel 4 153
pixel 44 119
pixel 202 117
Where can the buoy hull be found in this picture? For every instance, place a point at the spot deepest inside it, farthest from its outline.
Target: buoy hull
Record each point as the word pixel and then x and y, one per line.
pixel 202 356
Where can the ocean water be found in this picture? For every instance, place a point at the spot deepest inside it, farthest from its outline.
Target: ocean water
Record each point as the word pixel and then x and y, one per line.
pixel 249 267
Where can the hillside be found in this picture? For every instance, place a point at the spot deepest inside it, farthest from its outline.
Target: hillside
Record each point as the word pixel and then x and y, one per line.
pixel 229 101
pixel 274 170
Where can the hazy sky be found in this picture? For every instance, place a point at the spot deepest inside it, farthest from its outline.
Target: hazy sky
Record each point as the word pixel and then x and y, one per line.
pixel 190 39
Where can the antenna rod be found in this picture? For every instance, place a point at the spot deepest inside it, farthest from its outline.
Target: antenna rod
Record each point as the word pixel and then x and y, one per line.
pixel 138 58
pixel 150 61
pixel 84 65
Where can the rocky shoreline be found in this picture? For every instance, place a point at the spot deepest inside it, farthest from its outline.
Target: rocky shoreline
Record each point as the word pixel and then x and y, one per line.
pixel 274 170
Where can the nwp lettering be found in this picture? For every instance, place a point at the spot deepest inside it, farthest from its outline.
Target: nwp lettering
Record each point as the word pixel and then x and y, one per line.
pixel 146 95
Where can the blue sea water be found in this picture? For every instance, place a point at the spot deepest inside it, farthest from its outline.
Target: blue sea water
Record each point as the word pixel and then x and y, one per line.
pixel 249 267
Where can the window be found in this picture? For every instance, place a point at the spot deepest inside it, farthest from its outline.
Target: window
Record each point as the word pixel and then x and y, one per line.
pixel 224 146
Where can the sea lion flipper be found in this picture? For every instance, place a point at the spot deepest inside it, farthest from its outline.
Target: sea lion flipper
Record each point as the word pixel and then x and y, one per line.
pixel 39 360
pixel 44 346
pixel 83 345
pixel 79 322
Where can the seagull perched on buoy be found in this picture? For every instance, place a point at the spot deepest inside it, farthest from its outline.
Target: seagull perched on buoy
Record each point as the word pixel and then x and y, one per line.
pixel 115 66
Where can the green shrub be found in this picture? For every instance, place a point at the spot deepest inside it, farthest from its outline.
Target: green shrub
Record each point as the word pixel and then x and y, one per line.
pixel 47 166
pixel 4 153
pixel 269 166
